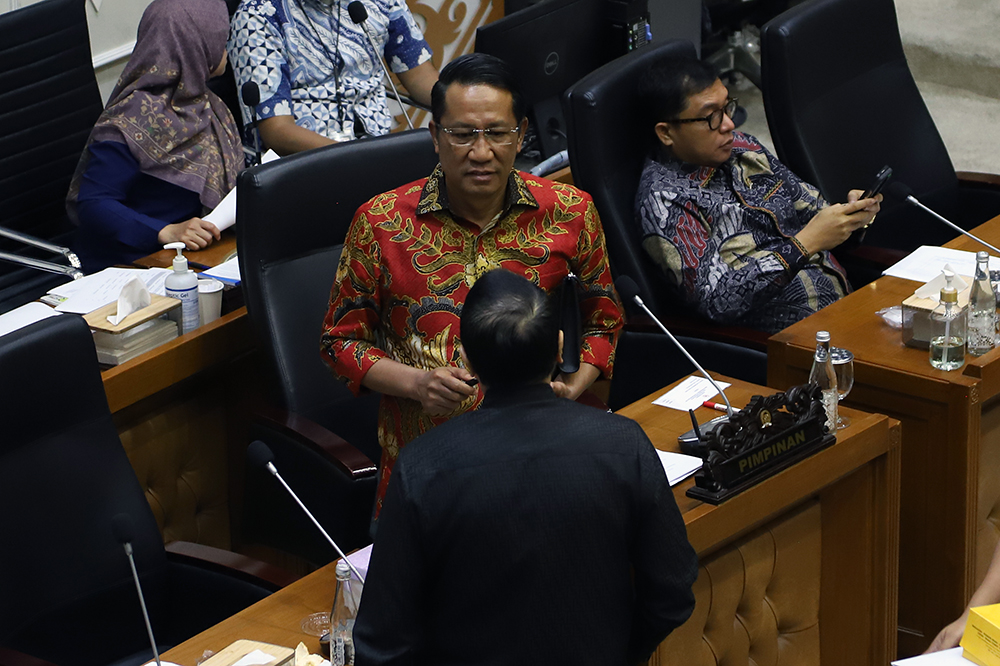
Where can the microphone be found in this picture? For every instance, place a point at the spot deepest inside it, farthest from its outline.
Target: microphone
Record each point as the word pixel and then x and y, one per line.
pixel 260 455
pixel 901 191
pixel 359 15
pixel 250 92
pixel 121 527
pixel 628 288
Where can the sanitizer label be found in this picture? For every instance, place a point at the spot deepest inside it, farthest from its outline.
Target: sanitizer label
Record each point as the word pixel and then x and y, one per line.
pixel 190 316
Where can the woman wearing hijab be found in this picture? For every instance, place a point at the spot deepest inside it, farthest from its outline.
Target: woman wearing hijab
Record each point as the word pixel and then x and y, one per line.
pixel 166 149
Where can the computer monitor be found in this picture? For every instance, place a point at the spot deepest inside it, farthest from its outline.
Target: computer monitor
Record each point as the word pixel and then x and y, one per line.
pixel 550 46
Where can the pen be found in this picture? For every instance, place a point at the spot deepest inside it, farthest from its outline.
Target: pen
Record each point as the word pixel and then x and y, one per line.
pixel 719 407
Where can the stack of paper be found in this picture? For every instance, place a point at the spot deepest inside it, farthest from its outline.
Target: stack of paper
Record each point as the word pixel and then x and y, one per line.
pixel 116 348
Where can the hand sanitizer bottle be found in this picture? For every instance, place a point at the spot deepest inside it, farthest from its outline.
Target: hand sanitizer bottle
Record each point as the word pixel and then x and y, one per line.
pixel 948 322
pixel 182 284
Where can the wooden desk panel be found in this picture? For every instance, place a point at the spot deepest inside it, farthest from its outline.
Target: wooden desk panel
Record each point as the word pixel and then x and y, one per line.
pixel 855 483
pixel 950 428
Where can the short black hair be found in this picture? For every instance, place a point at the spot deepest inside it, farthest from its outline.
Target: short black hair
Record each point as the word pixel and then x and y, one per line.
pixel 477 69
pixel 667 85
pixel 510 330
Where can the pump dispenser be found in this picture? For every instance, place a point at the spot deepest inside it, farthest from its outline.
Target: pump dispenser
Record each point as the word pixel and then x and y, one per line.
pixel 948 324
pixel 182 284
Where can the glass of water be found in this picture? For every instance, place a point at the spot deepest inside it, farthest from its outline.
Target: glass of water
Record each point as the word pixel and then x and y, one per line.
pixel 843 366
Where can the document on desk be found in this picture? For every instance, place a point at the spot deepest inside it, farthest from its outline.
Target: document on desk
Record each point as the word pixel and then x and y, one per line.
pixel 689 394
pixel 95 291
pixel 925 263
pixel 228 271
pixel 952 657
pixel 23 316
pixel 678 466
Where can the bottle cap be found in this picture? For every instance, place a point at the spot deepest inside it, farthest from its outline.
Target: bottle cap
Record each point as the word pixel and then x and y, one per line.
pixel 180 261
pixel 982 255
pixel 343 569
pixel 822 336
pixel 948 293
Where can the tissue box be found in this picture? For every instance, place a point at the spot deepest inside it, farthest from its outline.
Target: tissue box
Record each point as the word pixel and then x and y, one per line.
pixel 981 640
pixel 917 318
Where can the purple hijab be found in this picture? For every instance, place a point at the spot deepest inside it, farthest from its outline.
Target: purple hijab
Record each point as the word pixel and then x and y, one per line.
pixel 174 126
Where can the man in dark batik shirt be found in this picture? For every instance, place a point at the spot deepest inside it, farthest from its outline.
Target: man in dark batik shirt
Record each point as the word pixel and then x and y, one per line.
pixel 742 238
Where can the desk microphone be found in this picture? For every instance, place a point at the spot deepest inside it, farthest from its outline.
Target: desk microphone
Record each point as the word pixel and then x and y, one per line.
pixel 359 15
pixel 261 455
pixel 628 289
pixel 900 190
pixel 250 92
pixel 121 527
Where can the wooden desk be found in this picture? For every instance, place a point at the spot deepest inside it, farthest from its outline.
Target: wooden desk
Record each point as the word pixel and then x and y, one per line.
pixel 181 412
pixel 951 444
pixel 846 580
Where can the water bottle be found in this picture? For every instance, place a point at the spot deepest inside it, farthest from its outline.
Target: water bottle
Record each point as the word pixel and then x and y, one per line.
pixel 345 610
pixel 823 374
pixel 982 309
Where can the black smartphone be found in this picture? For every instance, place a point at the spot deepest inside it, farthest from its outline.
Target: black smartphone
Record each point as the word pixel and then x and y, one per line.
pixel 881 178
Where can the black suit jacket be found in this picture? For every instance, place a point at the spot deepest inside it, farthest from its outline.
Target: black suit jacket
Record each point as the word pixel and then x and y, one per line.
pixel 534 530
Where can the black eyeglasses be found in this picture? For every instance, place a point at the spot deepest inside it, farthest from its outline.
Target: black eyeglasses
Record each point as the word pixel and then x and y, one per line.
pixel 466 136
pixel 713 119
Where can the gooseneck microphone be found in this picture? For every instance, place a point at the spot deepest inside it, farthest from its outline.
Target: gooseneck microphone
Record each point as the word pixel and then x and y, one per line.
pixel 121 527
pixel 260 454
pixel 359 15
pixel 901 191
pixel 629 290
pixel 250 92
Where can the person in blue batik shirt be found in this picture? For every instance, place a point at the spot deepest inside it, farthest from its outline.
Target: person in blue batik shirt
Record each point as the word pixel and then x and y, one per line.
pixel 318 76
pixel 741 238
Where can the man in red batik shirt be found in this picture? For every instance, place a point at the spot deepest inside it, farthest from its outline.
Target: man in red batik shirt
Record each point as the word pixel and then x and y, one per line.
pixel 412 254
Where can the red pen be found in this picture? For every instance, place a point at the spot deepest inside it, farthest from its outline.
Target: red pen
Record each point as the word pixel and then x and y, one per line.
pixel 719 407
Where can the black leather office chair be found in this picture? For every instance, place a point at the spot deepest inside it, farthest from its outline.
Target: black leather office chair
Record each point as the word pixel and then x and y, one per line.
pixel 65 583
pixel 608 143
pixel 645 362
pixel 293 215
pixel 841 108
pixel 49 102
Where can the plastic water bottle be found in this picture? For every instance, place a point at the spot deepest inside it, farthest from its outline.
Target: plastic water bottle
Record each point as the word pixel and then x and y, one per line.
pixel 345 610
pixel 982 309
pixel 823 374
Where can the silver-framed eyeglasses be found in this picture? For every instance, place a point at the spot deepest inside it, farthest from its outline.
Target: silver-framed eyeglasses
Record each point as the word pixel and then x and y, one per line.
pixel 713 119
pixel 462 137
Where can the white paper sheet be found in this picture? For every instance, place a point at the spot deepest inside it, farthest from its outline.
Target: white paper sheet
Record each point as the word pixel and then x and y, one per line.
pixel 678 466
pixel 255 658
pixel 689 394
pixel 228 272
pixel 224 215
pixel 360 559
pixel 23 316
pixel 952 657
pixel 94 291
pixel 925 263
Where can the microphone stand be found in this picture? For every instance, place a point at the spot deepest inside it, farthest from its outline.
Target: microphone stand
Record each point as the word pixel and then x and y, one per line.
pixel 360 15
pixel 73 270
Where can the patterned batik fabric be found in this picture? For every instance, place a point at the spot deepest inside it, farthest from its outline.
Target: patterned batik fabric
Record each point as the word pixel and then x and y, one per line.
pixel 408 264
pixel 725 238
pixel 288 47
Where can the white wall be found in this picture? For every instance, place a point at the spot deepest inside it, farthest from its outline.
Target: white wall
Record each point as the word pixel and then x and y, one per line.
pixel 112 34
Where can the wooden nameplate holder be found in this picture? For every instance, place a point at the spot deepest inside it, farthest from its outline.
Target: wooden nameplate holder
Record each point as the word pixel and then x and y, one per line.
pixel 768 435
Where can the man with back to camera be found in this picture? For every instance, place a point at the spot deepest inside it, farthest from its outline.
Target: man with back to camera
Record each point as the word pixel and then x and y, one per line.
pixel 533 530
pixel 412 254
pixel 742 238
pixel 318 77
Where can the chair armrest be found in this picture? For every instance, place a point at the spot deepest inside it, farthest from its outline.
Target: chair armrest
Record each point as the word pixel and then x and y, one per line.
pixel 978 180
pixel 232 564
pixel 336 449
pixel 9 657
pixel 696 327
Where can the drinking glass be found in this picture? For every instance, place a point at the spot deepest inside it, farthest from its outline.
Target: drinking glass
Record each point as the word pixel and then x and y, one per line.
pixel 843 367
